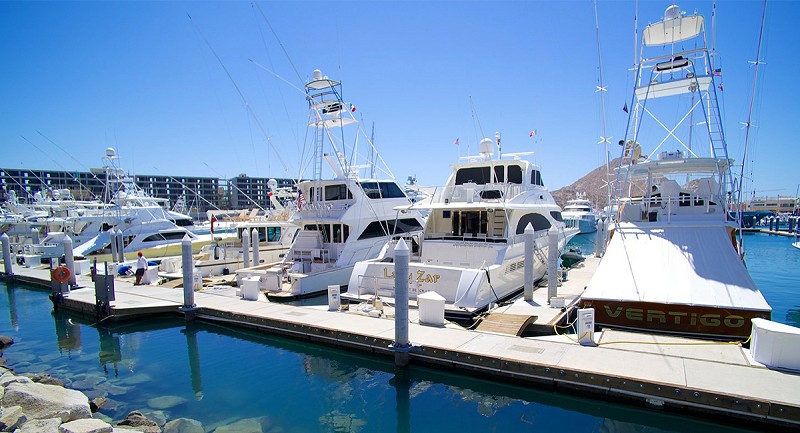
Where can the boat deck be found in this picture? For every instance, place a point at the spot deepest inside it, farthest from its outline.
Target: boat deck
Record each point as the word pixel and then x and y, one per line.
pixel 708 379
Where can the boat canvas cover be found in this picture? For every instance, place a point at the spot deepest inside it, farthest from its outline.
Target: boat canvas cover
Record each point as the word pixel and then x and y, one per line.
pixel 690 265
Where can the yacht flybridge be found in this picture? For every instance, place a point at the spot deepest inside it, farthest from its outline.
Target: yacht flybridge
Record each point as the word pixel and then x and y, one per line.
pixel 345 218
pixel 674 259
pixel 472 250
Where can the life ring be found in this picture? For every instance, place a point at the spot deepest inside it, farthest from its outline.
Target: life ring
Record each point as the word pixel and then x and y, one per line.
pixel 61 274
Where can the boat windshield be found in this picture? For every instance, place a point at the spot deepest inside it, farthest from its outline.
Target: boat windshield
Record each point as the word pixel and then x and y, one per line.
pixel 382 190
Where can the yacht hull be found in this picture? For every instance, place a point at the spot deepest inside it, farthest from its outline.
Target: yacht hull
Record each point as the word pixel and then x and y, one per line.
pixel 696 320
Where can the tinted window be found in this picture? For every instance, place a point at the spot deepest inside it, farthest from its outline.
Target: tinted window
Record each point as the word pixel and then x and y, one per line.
pixel 382 190
pixel 479 175
pixel 515 174
pixel 556 215
pixel 500 173
pixel 337 192
pixel 378 229
pixel 538 221
pixel 536 178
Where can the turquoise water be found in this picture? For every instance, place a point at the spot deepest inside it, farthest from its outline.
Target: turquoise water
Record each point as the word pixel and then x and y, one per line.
pixel 223 374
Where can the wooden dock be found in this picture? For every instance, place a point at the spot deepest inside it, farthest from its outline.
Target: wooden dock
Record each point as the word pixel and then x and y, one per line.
pixel 705 379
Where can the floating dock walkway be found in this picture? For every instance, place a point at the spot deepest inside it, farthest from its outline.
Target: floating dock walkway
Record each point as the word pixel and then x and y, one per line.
pixel 705 379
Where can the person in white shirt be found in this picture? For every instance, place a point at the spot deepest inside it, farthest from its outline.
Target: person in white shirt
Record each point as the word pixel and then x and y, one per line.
pixel 141 266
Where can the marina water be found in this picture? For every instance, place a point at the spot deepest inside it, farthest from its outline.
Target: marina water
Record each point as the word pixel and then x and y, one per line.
pixel 220 374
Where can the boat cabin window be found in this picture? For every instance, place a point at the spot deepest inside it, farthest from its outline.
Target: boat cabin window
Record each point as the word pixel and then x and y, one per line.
pixel 499 174
pixel 515 174
pixel 382 190
pixel 536 178
pixel 470 222
pixel 273 234
pixel 478 175
pixel 336 233
pixel 556 215
pixel 490 194
pixel 337 192
pixel 538 221
pixel 378 229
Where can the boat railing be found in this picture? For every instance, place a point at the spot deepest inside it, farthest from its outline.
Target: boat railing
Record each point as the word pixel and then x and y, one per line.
pixel 376 286
pixel 466 237
pixel 474 193
pixel 322 210
pixel 657 207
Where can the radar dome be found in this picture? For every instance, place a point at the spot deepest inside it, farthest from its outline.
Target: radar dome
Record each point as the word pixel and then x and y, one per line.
pixel 486 146
pixel 110 152
pixel 317 74
pixel 672 12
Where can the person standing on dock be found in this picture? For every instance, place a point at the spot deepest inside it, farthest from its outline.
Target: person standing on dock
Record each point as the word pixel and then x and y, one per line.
pixel 141 266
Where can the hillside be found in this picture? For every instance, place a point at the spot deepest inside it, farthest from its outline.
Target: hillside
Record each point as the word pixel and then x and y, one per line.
pixel 593 184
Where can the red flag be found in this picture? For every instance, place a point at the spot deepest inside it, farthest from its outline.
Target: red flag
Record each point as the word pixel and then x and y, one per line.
pixel 213 220
pixel 456 142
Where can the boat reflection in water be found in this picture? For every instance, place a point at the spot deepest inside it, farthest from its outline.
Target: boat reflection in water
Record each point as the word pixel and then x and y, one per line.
pixel 219 375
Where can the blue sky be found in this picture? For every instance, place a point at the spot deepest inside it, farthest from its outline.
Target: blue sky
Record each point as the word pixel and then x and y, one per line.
pixel 140 77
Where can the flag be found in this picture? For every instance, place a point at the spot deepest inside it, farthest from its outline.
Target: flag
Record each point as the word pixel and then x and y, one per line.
pixel 625 108
pixel 213 220
pixel 720 87
pixel 456 142
pixel 352 108
pixel 300 199
pixel 718 72
pixel 533 133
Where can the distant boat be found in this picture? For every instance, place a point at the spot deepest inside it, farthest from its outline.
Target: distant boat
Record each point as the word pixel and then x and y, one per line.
pixel 472 250
pixel 579 213
pixel 345 218
pixel 674 261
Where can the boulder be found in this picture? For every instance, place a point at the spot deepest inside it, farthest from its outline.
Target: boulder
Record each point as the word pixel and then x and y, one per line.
pixel 88 425
pixel 97 403
pixel 184 425
pixel 5 341
pixel 166 401
pixel 249 425
pixel 49 425
pixel 40 401
pixel 11 418
pixel 137 421
pixel 8 377
pixel 44 378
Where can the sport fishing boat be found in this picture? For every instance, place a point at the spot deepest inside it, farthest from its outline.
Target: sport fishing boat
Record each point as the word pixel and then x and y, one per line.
pixel 343 219
pixel 472 251
pixel 579 213
pixel 674 259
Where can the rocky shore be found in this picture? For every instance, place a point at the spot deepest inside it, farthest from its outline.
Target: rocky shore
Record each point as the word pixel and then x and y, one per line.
pixel 40 403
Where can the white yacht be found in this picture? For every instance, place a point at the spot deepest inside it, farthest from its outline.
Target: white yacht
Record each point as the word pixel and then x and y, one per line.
pixel 144 222
pixel 674 259
pixel 579 213
pixel 472 251
pixel 343 219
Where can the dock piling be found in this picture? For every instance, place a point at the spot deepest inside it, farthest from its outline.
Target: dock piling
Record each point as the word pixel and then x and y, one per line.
pixel 69 260
pixel 6 254
pixel 530 245
pixel 552 264
pixel 254 241
pixel 120 246
pixel 114 245
pixel 188 272
pixel 246 248
pixel 401 344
